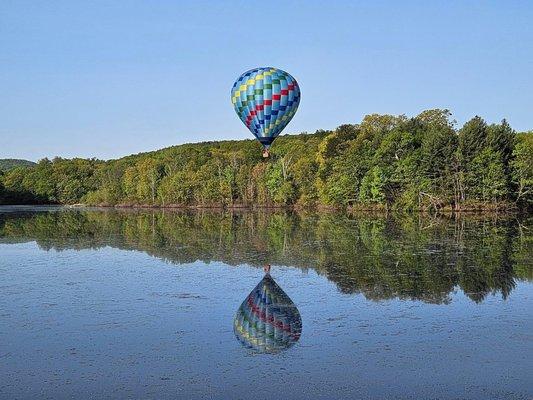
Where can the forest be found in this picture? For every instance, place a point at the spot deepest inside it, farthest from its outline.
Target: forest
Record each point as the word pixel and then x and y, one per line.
pixel 385 162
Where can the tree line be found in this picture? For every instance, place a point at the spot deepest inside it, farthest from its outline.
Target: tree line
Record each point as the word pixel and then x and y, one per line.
pixel 386 161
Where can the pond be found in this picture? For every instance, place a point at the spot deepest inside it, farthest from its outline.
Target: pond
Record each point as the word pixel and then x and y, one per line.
pixel 102 303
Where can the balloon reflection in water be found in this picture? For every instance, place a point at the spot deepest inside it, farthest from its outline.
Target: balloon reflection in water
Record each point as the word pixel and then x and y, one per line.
pixel 268 321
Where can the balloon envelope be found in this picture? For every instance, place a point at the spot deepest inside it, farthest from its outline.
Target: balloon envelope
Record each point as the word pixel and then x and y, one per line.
pixel 267 321
pixel 265 100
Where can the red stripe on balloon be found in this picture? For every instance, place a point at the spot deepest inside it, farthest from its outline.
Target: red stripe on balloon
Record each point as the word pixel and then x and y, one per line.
pixel 261 107
pixel 262 317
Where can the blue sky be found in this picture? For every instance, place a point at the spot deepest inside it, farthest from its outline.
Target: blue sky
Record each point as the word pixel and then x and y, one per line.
pixel 106 79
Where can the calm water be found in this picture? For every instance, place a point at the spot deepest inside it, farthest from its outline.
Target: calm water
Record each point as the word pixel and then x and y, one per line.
pixel 162 304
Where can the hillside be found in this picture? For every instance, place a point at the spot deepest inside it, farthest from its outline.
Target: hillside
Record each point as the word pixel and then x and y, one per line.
pixel 9 163
pixel 384 162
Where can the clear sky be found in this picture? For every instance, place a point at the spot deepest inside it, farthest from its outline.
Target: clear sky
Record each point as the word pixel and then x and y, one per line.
pixel 110 78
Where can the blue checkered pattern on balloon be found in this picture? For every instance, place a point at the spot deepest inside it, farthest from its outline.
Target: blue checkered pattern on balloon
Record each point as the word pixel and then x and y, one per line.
pixel 265 100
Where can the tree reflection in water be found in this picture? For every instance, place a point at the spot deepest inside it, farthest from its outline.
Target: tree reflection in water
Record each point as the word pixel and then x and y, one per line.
pixel 382 257
pixel 267 320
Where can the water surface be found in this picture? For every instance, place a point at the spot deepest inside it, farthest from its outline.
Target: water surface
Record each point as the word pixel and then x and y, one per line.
pixel 166 304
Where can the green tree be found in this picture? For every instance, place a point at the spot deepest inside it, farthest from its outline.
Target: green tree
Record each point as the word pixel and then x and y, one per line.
pixel 486 176
pixel 522 169
pixel 372 187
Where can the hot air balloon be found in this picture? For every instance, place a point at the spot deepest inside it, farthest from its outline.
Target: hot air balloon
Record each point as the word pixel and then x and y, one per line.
pixel 267 321
pixel 265 100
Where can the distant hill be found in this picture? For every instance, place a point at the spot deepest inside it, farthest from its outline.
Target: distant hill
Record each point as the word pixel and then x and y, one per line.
pixel 9 163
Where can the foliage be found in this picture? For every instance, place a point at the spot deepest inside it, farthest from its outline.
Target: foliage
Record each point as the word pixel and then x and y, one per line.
pixel 7 164
pixel 386 161
pixel 522 169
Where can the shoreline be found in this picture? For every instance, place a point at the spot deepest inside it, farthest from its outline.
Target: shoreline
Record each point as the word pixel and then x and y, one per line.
pixel 378 209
